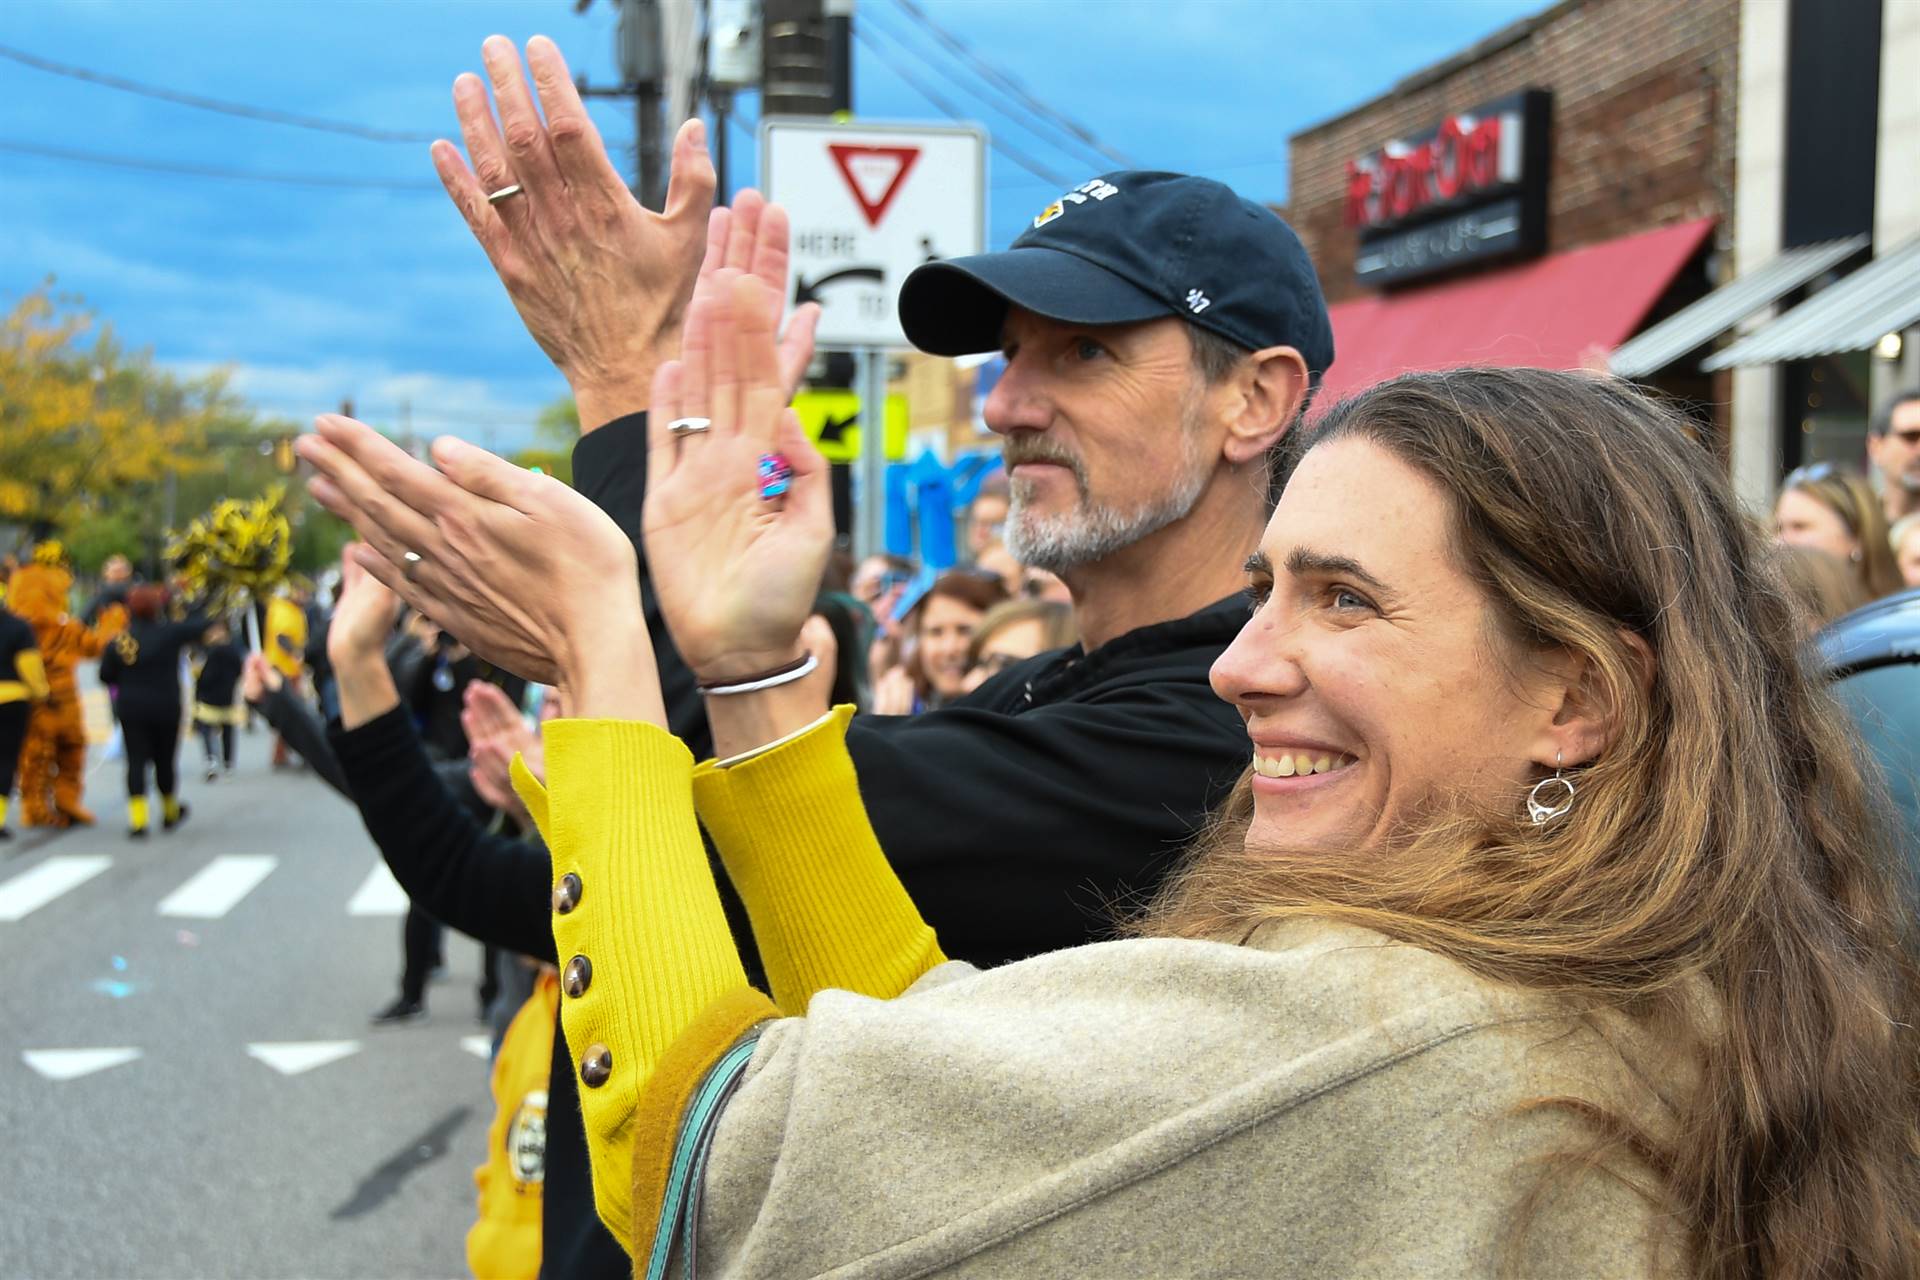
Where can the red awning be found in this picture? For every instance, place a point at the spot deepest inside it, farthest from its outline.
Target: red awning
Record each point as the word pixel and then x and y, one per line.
pixel 1564 311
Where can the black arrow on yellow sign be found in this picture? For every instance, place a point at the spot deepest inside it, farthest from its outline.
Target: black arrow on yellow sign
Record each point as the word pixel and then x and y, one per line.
pixel 834 430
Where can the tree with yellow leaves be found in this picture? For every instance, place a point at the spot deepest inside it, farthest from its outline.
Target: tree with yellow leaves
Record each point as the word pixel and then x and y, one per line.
pixel 84 422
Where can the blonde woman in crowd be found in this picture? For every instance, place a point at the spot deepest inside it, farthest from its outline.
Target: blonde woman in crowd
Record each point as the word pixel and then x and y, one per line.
pixel 1551 930
pixel 1013 631
pixel 1833 510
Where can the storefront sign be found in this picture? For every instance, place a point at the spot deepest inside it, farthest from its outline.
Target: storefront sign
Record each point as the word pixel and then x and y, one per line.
pixel 1472 188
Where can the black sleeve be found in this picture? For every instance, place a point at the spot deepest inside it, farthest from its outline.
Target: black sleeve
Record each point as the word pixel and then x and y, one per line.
pixel 490 887
pixel 610 467
pixel 294 719
pixel 111 667
pixel 1018 834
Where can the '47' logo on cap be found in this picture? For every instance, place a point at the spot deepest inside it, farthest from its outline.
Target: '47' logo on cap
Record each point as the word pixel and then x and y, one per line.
pixel 1197 301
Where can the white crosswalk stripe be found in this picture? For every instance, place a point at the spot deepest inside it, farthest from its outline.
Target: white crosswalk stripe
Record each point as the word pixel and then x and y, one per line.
pixel 35 888
pixel 219 886
pixel 379 894
pixel 71 1064
pixel 292 1057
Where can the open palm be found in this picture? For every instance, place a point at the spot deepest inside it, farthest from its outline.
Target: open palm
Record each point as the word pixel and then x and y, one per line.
pixel 735 573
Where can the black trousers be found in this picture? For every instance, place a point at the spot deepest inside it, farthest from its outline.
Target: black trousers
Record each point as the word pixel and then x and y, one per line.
pixel 220 734
pixel 13 732
pixel 420 952
pixel 423 949
pixel 153 740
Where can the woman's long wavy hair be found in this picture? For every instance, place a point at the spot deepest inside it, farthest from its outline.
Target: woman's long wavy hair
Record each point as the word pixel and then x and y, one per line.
pixel 1728 832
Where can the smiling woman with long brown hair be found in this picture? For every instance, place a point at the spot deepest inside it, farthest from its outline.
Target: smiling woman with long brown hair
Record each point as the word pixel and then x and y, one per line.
pixel 1551 932
pixel 1723 865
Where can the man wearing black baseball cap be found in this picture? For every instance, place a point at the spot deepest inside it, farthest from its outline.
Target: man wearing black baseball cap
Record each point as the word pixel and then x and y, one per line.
pixel 1161 332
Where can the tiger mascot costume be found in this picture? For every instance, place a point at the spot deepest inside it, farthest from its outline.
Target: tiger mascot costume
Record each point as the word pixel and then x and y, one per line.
pixel 54 757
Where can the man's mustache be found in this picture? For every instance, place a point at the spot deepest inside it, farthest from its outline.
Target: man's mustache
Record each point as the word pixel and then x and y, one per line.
pixel 1038 449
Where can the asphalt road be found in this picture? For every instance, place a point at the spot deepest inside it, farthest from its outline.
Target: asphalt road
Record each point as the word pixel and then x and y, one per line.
pixel 239 1117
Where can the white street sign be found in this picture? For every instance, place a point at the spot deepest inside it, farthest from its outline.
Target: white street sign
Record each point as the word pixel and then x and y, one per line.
pixel 869 203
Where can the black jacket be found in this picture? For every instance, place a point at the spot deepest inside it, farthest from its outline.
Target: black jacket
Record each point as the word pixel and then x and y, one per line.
pixel 219 675
pixel 143 665
pixel 1017 816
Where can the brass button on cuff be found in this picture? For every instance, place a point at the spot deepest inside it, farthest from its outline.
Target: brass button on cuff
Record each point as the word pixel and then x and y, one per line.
pixel 596 1065
pixel 566 894
pixel 578 976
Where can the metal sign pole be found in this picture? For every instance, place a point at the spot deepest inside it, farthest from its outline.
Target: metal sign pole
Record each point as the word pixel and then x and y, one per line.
pixel 872 536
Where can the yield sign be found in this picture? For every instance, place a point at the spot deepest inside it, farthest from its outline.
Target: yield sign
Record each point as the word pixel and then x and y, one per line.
pixel 873 174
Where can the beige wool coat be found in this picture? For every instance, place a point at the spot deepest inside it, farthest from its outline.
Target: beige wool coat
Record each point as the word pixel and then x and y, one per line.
pixel 1321 1102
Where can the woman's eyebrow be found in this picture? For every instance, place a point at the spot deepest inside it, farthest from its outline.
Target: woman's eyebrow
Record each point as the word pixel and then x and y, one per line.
pixel 1303 562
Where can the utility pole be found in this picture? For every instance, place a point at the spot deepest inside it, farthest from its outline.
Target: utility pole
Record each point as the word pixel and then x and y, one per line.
pixel 639 54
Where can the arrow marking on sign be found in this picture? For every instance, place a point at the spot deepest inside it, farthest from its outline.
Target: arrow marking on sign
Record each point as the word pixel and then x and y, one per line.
pixel 834 430
pixel 874 175
pixel 805 290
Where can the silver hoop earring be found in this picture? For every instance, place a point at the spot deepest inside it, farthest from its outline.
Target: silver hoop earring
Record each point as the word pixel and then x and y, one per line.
pixel 1559 788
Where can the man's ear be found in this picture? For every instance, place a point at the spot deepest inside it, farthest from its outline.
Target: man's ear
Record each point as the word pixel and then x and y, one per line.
pixel 1267 392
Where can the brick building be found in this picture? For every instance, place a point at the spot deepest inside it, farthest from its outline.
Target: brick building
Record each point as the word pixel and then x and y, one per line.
pixel 1657 187
pixel 1642 120
pixel 1536 199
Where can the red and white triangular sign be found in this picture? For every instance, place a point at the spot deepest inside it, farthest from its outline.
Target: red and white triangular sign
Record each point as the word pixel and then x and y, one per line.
pixel 873 174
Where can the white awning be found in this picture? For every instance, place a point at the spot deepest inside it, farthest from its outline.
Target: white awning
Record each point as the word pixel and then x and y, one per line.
pixel 1880 298
pixel 1694 326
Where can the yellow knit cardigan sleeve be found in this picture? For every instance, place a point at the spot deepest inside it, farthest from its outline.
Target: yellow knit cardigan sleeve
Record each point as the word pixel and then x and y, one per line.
pixel 827 909
pixel 646 960
pixel 664 994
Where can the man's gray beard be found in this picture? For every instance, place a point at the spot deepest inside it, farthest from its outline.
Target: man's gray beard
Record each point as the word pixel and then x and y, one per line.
pixel 1093 531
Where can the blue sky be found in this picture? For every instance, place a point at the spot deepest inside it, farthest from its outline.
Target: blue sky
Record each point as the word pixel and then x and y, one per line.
pixel 313 294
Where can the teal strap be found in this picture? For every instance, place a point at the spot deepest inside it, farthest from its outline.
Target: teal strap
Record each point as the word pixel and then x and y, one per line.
pixel 690 1149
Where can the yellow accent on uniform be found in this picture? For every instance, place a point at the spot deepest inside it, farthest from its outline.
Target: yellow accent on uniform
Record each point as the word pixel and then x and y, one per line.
pixel 286 630
pixel 33 674
pixel 505 1242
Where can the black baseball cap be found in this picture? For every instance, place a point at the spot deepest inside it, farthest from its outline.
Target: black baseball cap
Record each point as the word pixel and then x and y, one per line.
pixel 1130 246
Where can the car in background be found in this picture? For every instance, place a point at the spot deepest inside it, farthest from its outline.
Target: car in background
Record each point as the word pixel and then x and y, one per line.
pixel 1872 656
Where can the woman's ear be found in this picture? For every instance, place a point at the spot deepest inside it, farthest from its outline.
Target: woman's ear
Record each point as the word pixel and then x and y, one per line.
pixel 1589 716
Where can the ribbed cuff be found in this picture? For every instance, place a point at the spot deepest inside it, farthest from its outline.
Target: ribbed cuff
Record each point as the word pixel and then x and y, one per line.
pixel 827 908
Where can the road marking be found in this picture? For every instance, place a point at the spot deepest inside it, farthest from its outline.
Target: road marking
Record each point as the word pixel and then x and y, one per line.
pixel 31 890
pixel 292 1057
pixel 218 887
pixel 480 1047
pixel 379 894
pixel 71 1064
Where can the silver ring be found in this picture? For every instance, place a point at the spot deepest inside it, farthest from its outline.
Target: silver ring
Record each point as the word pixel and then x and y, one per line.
pixel 495 197
pixel 689 426
pixel 411 562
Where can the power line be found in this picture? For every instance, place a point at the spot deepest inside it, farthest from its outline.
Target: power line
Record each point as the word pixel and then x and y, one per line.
pixel 215 171
pixel 1032 166
pixel 994 101
pixel 266 114
pixel 992 73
